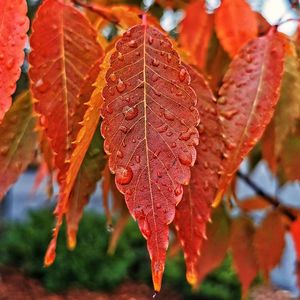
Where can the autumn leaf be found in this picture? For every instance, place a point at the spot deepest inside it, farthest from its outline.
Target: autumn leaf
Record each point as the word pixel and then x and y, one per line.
pixel 248 97
pixel 269 242
pixel 18 141
pixel 61 57
pixel 235 24
pixel 287 113
pixel 253 203
pixel 215 247
pixel 85 163
pixel 14 25
pixel 196 41
pixel 150 134
pixel 242 246
pixel 193 212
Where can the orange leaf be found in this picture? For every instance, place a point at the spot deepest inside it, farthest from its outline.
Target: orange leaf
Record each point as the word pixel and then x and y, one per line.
pixel 236 24
pixel 249 94
pixel 194 210
pixel 244 260
pixel 61 58
pixel 18 141
pixel 150 134
pixel 215 247
pixel 254 203
pixel 269 242
pixel 196 41
pixel 14 25
pixel 80 162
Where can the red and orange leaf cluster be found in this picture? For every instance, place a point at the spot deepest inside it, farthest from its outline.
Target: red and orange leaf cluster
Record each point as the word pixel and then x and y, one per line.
pixel 172 149
pixel 13 29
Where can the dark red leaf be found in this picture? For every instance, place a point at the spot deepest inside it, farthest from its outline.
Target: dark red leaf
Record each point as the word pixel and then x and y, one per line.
pixel 150 134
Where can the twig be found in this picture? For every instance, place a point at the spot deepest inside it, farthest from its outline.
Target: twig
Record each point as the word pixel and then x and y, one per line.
pixel 275 202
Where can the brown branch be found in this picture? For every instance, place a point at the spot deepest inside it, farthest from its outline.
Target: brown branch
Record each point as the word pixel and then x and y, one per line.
pixel 275 202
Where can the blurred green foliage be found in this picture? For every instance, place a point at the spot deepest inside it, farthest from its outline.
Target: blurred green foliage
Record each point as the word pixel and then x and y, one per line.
pixel 89 266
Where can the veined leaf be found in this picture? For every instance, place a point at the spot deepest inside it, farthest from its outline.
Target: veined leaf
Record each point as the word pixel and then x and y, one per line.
pixel 215 247
pixel 236 24
pixel 64 48
pixel 242 246
pixel 249 94
pixel 150 134
pixel 193 212
pixel 18 141
pixel 269 242
pixel 286 114
pixel 85 164
pixel 196 41
pixel 14 25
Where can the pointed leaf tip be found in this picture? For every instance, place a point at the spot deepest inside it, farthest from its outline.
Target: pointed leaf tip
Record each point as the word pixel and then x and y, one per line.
pixel 191 277
pixel 157 273
pixel 50 254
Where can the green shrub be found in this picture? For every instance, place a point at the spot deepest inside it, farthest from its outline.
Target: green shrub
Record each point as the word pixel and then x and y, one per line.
pixel 24 244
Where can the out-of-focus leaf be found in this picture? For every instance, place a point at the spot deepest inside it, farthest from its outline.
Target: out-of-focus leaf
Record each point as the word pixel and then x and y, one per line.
pixel 215 247
pixel 248 97
pixel 193 212
pixel 269 242
pixel 18 141
pixel 150 132
pixel 242 246
pixel 61 57
pixel 14 25
pixel 253 203
pixel 235 24
pixel 196 31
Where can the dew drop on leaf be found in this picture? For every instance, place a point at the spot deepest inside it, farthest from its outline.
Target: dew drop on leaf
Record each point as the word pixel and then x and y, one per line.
pixel 124 175
pixel 182 74
pixel 155 62
pixel 130 112
pixel 185 159
pixel 121 86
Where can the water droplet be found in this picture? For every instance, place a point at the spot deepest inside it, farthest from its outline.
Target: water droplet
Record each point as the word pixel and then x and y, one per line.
pixel 157 93
pixel 124 175
pixel 206 185
pixel 109 109
pixel 22 20
pixel 124 129
pixel 169 133
pixel 155 77
pixel 155 62
pixel 132 44
pixel 222 100
pixel 248 59
pixel 185 159
pixel 182 74
pixel 162 128
pixel 169 57
pixel 185 136
pixel 229 114
pixel 145 229
pixel 169 115
pixel 113 77
pixel 150 40
pixel 4 150
pixel 137 53
pixel 159 174
pixel 173 145
pixel 120 154
pixel 42 86
pixel 205 164
pixel 120 56
pixel 158 205
pixel 178 190
pixel 201 128
pixel 130 112
pixel 138 159
pixel 121 86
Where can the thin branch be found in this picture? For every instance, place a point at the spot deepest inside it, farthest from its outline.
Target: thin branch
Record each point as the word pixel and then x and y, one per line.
pixel 275 202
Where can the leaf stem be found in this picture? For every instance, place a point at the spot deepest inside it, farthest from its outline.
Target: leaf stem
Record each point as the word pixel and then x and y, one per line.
pixel 275 202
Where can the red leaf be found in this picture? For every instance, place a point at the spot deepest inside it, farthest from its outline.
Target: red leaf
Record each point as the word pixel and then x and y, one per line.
pixel 14 25
pixel 150 134
pixel 269 242
pixel 249 94
pixel 214 249
pixel 244 260
pixel 196 41
pixel 18 141
pixel 61 57
pixel 194 210
pixel 236 24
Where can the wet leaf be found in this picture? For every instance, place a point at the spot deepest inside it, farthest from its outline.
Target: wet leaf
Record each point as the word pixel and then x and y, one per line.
pixel 193 212
pixel 61 58
pixel 248 97
pixel 14 25
pixel 150 134
pixel 18 141
pixel 196 41
pixel 235 24
pixel 242 246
